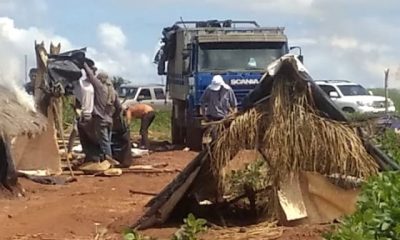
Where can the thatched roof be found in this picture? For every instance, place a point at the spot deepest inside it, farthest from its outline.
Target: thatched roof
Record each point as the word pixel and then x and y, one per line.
pixel 16 119
pixel 294 126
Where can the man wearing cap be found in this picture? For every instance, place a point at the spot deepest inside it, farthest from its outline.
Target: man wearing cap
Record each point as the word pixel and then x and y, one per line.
pixel 218 100
pixel 105 105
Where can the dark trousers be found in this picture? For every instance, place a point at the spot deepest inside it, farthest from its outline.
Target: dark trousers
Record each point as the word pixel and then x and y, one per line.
pixel 88 140
pixel 95 138
pixel 145 123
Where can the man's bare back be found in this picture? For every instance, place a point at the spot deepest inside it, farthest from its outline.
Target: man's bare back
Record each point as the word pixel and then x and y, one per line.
pixel 137 111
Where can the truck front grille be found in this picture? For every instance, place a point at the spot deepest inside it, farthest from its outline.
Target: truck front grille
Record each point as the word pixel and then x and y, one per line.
pixel 379 104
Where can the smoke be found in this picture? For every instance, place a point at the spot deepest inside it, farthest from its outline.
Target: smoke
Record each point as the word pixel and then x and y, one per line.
pixel 15 43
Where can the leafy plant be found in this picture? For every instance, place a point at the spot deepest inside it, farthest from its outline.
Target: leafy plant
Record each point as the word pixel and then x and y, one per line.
pixel 68 111
pixel 254 175
pixel 390 143
pixel 191 228
pixel 188 231
pixel 378 211
pixel 132 234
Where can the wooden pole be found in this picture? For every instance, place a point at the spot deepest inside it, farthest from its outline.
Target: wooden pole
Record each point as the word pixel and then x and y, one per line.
pixel 386 91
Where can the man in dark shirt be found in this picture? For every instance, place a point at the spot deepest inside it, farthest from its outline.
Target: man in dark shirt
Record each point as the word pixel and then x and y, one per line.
pixel 218 100
pixel 106 104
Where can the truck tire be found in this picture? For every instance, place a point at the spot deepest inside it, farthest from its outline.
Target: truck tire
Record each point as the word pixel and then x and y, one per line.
pixel 348 110
pixel 195 141
pixel 177 131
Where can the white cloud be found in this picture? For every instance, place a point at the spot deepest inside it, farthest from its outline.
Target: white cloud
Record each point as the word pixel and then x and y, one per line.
pixel 303 41
pixel 344 43
pixel 115 58
pixel 118 60
pixel 111 36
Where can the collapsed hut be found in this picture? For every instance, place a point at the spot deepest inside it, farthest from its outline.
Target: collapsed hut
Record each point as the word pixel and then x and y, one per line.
pixel 18 123
pixel 28 139
pixel 305 145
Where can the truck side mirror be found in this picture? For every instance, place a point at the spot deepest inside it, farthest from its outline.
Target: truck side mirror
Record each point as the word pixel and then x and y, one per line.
pixel 371 93
pixel 301 58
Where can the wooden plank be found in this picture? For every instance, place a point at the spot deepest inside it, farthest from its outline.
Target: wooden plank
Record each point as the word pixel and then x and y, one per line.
pixel 158 214
pixel 170 188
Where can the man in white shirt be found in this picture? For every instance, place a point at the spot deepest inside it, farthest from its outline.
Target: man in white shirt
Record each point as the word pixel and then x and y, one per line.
pixel 84 94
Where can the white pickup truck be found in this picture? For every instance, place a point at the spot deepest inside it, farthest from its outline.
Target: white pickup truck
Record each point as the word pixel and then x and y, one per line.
pixel 153 95
pixel 352 97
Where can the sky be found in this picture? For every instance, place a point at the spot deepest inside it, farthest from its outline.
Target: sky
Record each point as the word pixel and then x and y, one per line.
pixel 354 40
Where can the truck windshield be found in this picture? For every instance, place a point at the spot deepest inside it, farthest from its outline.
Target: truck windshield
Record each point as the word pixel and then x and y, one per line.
pixel 242 56
pixel 124 92
pixel 353 90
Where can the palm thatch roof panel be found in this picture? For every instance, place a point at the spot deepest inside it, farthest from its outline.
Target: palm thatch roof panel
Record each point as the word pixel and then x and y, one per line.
pixel 17 119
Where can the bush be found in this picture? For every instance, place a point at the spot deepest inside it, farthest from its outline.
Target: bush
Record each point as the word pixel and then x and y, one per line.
pixel 389 142
pixel 68 110
pixel 191 228
pixel 378 211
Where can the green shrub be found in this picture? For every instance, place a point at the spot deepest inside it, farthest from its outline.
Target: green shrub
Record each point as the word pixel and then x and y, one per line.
pixel 132 234
pixel 254 175
pixel 68 110
pixel 389 142
pixel 378 211
pixel 188 231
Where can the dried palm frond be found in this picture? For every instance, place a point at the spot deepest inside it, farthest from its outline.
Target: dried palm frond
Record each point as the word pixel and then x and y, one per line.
pixel 232 136
pixel 298 139
pixel 291 135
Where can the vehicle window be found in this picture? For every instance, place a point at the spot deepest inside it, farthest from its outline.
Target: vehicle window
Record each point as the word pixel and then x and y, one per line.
pixel 243 56
pixel 127 92
pixel 353 90
pixel 159 92
pixel 145 94
pixel 327 89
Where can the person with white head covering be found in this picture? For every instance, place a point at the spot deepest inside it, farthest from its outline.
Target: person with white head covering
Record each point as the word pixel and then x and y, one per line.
pixel 218 100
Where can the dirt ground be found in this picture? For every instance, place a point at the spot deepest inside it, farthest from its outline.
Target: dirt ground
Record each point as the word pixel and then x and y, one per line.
pixel 79 209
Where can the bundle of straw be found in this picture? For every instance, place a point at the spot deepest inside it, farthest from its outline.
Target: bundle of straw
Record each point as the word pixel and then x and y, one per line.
pixel 298 139
pixel 291 135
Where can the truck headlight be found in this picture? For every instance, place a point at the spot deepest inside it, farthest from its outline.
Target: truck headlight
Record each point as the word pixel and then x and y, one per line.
pixel 361 104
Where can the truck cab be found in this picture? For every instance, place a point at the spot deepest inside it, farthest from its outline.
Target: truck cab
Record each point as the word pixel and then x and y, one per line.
pixel 193 52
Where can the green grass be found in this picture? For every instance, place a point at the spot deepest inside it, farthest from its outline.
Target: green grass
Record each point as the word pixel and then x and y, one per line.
pixel 159 129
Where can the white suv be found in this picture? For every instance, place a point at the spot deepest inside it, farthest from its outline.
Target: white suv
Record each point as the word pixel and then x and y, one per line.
pixel 352 97
pixel 153 95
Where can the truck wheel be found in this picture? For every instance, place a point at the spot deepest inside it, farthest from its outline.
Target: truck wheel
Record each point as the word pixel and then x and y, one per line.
pixel 177 132
pixel 348 110
pixel 195 141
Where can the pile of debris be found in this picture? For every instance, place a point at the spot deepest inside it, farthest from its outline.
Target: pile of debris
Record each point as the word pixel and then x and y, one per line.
pixel 304 141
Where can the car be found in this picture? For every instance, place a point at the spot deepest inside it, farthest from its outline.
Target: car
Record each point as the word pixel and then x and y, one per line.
pixel 352 97
pixel 153 94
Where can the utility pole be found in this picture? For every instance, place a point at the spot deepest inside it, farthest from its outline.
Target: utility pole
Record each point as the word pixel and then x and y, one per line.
pixel 386 90
pixel 26 68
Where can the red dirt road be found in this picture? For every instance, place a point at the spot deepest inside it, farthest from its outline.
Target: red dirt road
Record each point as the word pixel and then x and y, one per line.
pixel 74 211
